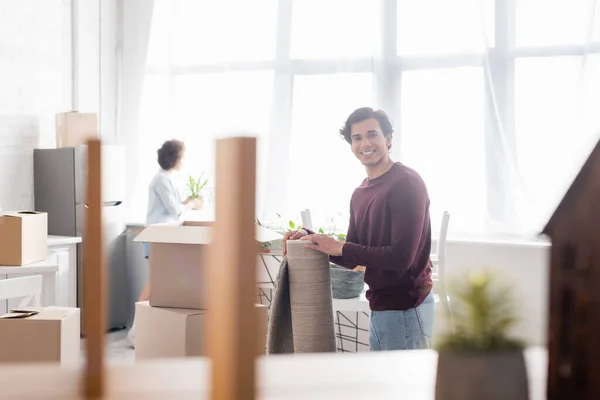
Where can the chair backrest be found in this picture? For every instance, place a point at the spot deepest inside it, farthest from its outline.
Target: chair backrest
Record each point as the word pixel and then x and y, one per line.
pixel 306 220
pixel 29 287
pixel 441 244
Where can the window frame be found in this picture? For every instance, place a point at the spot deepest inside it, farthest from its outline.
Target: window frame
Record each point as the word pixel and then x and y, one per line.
pixel 498 65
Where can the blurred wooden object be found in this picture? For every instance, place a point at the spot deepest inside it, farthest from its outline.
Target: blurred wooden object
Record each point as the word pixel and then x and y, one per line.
pixel 231 326
pixel 573 324
pixel 383 376
pixel 93 277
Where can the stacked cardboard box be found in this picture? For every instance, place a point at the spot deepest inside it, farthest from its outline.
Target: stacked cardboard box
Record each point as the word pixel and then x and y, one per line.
pixel 171 323
pixel 74 128
pixel 23 237
pixel 52 334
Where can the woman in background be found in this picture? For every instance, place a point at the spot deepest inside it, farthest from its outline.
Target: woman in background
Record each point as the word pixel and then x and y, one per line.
pixel 164 199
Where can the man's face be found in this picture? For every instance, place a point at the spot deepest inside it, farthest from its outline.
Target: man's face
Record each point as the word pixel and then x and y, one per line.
pixel 369 144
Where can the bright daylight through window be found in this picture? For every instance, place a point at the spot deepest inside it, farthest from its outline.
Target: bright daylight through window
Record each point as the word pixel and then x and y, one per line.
pixel 494 102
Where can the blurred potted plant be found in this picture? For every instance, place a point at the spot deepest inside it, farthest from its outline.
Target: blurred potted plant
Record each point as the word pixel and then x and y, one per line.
pixel 478 359
pixel 292 226
pixel 268 246
pixel 196 188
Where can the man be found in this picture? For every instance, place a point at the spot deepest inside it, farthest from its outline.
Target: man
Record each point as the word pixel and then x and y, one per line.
pixel 390 234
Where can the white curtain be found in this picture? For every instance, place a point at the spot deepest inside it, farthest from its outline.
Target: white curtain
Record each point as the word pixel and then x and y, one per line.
pixel 491 101
pixel 545 98
pixel 133 44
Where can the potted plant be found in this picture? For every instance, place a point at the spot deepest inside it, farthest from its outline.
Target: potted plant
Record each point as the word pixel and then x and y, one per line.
pixel 196 188
pixel 265 247
pixel 478 359
pixel 345 283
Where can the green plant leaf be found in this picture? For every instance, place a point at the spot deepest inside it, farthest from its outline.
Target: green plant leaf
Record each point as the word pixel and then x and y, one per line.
pixel 195 187
pixel 482 314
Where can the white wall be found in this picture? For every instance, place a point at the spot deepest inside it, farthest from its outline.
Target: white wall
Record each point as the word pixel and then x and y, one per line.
pixel 35 83
pixel 50 62
pixel 524 266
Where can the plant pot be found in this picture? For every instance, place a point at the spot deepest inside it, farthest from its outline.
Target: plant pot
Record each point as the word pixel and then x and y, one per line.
pixel 345 283
pixel 477 376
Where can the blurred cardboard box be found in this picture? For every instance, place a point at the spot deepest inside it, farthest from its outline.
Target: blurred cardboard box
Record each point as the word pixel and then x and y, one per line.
pixel 74 128
pixel 51 335
pixel 178 332
pixel 23 237
pixel 176 262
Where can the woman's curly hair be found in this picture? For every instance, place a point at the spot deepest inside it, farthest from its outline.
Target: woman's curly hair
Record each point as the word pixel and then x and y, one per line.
pixel 170 154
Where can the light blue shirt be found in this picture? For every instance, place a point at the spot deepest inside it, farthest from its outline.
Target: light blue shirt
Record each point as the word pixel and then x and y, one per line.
pixel 164 200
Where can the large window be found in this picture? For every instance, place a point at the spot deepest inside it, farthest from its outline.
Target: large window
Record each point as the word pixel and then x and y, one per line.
pixel 442 139
pixel 494 102
pixel 324 170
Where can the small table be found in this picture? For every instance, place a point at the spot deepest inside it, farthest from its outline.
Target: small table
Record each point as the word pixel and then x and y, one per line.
pixel 355 304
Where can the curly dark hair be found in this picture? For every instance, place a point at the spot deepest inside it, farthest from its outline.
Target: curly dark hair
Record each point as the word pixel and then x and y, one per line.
pixel 170 153
pixel 362 114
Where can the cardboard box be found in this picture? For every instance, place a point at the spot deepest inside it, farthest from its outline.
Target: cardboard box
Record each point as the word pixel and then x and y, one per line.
pixel 177 332
pixel 53 335
pixel 176 262
pixel 74 128
pixel 23 237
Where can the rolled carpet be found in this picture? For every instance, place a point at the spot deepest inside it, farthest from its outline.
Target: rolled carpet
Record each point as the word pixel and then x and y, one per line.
pixel 301 310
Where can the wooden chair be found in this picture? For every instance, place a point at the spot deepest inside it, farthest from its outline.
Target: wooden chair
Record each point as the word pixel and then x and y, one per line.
pixel 306 220
pixel 28 287
pixel 438 259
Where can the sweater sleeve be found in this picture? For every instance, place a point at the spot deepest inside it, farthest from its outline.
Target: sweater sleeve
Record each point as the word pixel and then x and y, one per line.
pixel 351 237
pixel 407 208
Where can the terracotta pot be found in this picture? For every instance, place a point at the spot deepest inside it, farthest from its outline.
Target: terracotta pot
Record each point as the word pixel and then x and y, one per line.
pixel 478 376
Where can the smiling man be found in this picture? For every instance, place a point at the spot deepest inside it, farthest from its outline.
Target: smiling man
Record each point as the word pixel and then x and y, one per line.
pixel 390 234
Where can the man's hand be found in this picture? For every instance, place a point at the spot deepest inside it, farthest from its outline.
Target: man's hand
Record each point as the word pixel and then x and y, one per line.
pixel 292 235
pixel 325 244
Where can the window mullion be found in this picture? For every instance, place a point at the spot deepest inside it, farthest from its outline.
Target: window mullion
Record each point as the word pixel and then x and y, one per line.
pixel 499 112
pixel 281 113
pixel 170 67
pixel 387 75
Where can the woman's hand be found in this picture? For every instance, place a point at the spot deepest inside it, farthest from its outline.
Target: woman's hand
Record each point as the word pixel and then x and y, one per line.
pixel 194 203
pixel 197 203
pixel 325 244
pixel 292 235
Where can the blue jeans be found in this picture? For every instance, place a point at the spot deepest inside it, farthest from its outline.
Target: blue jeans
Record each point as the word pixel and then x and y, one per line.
pixel 402 330
pixel 146 249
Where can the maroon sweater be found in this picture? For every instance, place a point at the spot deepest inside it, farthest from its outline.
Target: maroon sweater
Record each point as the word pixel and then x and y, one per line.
pixel 390 234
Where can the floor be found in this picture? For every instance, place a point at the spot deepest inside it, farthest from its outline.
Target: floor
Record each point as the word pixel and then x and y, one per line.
pixel 118 349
